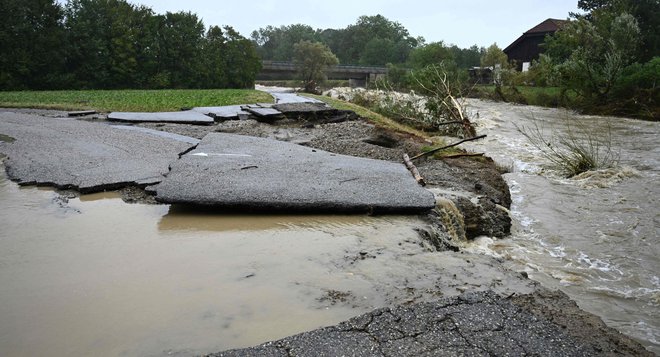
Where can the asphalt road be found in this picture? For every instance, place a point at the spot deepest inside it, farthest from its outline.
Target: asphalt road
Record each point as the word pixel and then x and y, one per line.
pixel 88 157
pixel 475 324
pixel 248 173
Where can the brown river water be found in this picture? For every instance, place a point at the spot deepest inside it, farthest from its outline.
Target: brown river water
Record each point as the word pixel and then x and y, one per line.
pixel 595 236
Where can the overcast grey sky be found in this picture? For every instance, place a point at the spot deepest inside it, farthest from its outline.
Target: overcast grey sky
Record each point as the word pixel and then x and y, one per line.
pixel 461 22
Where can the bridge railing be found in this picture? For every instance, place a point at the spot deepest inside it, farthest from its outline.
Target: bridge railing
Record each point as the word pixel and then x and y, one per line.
pixel 286 65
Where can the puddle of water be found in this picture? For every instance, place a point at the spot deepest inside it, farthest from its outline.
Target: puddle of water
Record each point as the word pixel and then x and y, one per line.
pixel 96 276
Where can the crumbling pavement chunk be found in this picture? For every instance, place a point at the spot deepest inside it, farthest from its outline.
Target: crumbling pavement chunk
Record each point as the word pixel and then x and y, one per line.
pixel 241 172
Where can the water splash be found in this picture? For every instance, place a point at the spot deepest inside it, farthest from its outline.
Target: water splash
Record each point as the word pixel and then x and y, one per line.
pixel 452 218
pixel 604 178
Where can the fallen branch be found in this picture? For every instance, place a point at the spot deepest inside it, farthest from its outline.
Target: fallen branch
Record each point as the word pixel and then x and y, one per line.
pixel 413 170
pixel 461 155
pixel 446 147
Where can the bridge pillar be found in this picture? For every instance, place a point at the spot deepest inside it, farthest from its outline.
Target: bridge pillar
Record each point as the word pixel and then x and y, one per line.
pixel 357 82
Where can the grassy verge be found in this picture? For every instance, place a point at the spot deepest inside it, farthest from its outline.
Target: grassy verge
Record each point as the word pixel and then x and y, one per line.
pixel 391 124
pixel 373 117
pixel 131 100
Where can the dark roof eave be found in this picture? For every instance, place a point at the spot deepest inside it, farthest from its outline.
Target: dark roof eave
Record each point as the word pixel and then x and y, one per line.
pixel 513 44
pixel 524 36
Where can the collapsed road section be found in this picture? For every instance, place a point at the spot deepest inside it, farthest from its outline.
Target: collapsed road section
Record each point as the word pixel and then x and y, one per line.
pixel 240 172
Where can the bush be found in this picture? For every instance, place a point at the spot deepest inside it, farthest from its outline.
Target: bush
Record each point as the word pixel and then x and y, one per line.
pixel 576 150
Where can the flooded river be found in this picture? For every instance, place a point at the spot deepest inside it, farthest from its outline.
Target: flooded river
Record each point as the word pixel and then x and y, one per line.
pixel 596 236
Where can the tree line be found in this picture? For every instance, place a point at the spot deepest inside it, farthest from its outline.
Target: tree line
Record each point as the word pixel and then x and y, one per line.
pixel 371 41
pixel 112 44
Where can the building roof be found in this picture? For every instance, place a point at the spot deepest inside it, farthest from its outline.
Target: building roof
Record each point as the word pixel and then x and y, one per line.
pixel 549 25
pixel 546 27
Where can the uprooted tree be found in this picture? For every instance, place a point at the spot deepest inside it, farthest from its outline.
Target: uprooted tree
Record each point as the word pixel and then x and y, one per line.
pixel 444 99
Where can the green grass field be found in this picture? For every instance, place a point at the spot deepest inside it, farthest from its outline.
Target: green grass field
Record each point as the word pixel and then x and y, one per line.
pixel 131 100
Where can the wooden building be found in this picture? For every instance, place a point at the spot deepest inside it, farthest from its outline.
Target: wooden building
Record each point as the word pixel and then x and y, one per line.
pixel 527 47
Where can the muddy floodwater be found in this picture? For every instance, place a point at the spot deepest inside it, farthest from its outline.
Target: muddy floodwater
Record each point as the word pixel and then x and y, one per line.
pixel 595 236
pixel 97 276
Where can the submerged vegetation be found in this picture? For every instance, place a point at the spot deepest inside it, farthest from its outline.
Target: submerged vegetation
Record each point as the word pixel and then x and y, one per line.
pixel 574 148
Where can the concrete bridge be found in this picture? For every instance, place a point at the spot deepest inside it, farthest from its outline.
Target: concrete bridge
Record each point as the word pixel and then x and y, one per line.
pixel 358 76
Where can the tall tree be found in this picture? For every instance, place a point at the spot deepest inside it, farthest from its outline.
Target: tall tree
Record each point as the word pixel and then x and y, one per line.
pixel 276 43
pixel 241 60
pixel 312 60
pixel 432 53
pixel 591 55
pixel 467 57
pixel 493 57
pixel 215 56
pixel 359 40
pixel 645 12
pixel 32 38
pixel 180 43
pixel 104 41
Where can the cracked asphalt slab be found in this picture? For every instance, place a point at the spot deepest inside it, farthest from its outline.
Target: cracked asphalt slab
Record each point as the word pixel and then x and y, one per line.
pixel 88 157
pixel 248 173
pixel 473 324
pixel 182 117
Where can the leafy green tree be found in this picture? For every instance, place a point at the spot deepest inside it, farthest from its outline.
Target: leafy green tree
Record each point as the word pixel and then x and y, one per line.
pixel 645 12
pixel 467 57
pixel 372 40
pixel 31 36
pixel 590 56
pixel 494 57
pixel 101 42
pixel 432 53
pixel 180 39
pixel 359 41
pixel 145 27
pixel 277 43
pixel 312 60
pixel 241 60
pixel 215 53
pixel 87 47
pixel 380 51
